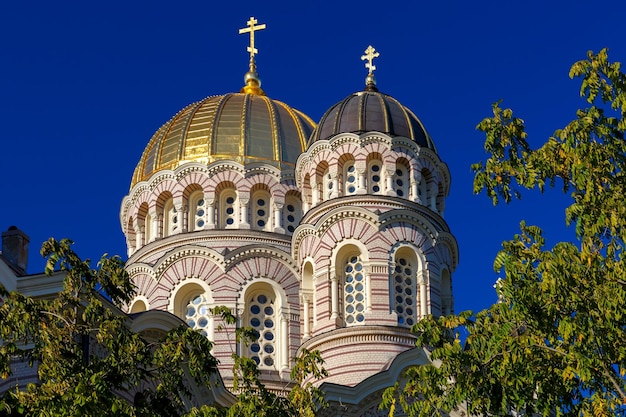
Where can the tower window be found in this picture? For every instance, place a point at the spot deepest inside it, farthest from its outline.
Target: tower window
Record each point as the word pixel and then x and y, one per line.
pixel 401 180
pixel 354 291
pixel 170 218
pixel 228 208
pixel 403 290
pixel 374 178
pixel 261 210
pixel 292 213
pixel 262 318
pixel 197 211
pixel 198 315
pixel 349 179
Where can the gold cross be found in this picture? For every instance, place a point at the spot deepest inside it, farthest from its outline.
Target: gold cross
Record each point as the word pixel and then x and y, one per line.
pixel 370 54
pixel 250 29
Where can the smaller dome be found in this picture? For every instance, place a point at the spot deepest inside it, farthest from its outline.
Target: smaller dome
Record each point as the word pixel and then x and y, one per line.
pixel 368 111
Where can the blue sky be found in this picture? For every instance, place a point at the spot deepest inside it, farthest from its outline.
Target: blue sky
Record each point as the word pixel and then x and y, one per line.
pixel 84 85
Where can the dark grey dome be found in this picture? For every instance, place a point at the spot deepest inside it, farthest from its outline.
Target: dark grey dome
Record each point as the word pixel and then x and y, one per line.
pixel 368 111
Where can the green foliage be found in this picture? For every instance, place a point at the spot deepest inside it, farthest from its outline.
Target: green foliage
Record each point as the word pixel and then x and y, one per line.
pixel 256 400
pixel 85 352
pixel 88 359
pixel 555 343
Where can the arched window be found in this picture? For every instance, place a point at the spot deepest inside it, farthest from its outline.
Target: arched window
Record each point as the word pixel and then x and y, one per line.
pixel 401 180
pixel 170 218
pixel 441 201
pixel 323 182
pixel 197 211
pixel 192 302
pixel 354 290
pixel 426 188
pixel 261 210
pixel 307 192
pixel 144 223
pixel 228 208
pixel 131 237
pixel 327 185
pixel 261 315
pixel 292 213
pixel 374 178
pixel 349 178
pixel 404 286
pixel 198 315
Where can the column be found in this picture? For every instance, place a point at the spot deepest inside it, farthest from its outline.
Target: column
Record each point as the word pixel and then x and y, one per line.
pixel 156 226
pixel 138 236
pixel 278 227
pixel 305 307
pixel 316 194
pixel 367 269
pixel 414 196
pixel 334 295
pixel 180 219
pixel 389 183
pixel 284 351
pixel 243 214
pixel 361 182
pixel 210 213
pixel 423 295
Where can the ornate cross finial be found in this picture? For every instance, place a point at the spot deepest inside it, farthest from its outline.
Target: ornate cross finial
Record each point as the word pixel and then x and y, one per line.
pixel 370 54
pixel 250 29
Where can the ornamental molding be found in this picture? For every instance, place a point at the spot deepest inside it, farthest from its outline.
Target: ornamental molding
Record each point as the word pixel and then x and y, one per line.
pixel 252 170
pixel 160 177
pixel 361 335
pixel 189 168
pixel 216 167
pixel 256 251
pixel 376 203
pixel 140 268
pixel 186 252
pixel 450 242
pixel 393 217
pixel 338 214
pixel 302 232
pixel 375 138
pixel 210 237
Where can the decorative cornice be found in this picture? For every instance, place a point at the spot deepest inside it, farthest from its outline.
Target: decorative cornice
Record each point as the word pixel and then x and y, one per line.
pixel 201 238
pixel 185 252
pixel 354 335
pixel 255 251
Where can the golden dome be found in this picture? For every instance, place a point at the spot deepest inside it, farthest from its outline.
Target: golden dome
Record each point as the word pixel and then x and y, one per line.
pixel 240 127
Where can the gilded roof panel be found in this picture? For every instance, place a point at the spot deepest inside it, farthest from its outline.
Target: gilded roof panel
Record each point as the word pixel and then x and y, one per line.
pixel 240 127
pixel 261 129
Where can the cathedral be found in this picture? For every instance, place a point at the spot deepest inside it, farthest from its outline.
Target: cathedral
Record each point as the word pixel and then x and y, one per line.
pixel 328 236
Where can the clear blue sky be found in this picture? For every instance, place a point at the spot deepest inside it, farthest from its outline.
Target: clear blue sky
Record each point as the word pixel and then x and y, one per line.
pixel 84 85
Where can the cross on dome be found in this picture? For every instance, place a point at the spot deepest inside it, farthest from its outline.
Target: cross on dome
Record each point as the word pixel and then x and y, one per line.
pixel 252 27
pixel 370 54
pixel 252 80
pixel 370 80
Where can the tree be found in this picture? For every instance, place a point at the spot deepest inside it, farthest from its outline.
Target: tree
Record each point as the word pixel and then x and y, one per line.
pixel 555 343
pixel 89 361
pixel 255 400
pixel 85 353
